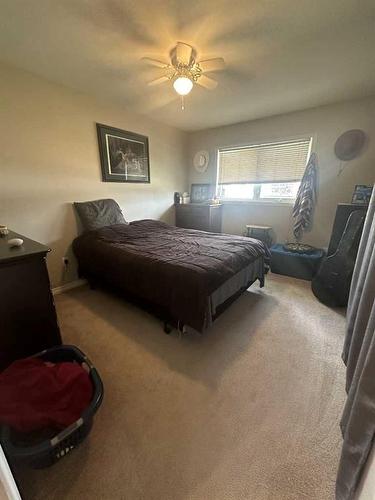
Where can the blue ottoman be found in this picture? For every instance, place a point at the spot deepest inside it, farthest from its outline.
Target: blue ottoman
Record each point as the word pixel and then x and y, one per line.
pixel 298 265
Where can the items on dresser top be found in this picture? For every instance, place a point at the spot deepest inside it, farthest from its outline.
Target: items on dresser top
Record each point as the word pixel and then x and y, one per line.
pixel 15 242
pixel 3 230
pixel 185 198
pixel 28 321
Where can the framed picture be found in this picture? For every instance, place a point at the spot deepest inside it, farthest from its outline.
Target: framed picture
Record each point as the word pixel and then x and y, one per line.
pixel 362 194
pixel 124 155
pixel 200 193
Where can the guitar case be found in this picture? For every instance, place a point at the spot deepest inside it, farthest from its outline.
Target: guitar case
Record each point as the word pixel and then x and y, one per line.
pixel 331 284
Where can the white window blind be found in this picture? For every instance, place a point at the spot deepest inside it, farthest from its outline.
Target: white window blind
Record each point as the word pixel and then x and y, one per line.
pixel 274 162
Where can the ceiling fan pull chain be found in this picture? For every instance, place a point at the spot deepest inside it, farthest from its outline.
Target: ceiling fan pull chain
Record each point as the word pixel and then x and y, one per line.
pixel 182 103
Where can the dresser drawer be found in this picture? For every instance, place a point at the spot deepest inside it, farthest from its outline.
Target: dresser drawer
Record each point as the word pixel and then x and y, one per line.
pixel 202 217
pixel 198 211
pixel 192 220
pixel 192 209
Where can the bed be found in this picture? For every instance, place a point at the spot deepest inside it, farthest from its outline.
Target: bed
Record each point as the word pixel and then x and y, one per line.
pixel 187 277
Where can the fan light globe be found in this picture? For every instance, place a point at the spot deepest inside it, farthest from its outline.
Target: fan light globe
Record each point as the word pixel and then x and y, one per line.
pixel 182 85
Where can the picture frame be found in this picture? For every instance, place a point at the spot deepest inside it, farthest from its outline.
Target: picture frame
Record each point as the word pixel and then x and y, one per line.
pixel 200 193
pixel 124 156
pixel 362 194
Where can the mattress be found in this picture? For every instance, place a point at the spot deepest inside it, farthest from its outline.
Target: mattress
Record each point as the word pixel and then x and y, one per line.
pixel 182 271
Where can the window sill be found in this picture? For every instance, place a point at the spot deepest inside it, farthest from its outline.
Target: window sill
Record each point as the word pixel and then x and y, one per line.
pixel 259 202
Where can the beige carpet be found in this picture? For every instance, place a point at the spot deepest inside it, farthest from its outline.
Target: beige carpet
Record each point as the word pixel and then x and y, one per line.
pixel 249 411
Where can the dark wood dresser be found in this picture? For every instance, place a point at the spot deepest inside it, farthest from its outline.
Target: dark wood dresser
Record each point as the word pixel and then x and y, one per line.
pixel 28 321
pixel 203 216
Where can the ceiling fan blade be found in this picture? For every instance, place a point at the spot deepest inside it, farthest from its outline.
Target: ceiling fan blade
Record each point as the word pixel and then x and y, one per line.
pixel 154 62
pixel 215 64
pixel 159 80
pixel 207 83
pixel 183 52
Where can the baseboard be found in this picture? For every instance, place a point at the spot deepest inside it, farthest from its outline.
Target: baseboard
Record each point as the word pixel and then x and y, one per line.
pixel 68 286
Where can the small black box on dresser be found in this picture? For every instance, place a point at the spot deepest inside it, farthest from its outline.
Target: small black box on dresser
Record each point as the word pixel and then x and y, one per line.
pixel 28 321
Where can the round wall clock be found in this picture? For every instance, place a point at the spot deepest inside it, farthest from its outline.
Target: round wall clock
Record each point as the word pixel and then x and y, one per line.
pixel 200 161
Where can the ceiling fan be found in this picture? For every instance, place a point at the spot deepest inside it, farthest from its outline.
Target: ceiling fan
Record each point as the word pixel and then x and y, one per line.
pixel 184 70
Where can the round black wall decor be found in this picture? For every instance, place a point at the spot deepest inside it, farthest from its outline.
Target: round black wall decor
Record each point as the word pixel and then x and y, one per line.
pixel 350 144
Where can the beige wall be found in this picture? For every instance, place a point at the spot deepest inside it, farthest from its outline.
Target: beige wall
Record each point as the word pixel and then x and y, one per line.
pixel 49 158
pixel 324 124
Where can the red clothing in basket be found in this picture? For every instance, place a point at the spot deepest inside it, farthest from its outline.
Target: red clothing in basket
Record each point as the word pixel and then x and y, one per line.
pixel 35 394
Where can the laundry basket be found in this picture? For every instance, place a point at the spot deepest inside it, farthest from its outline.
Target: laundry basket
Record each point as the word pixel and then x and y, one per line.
pixel 49 451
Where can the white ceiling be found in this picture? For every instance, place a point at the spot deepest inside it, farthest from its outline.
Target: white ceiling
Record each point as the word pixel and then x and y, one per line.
pixel 281 55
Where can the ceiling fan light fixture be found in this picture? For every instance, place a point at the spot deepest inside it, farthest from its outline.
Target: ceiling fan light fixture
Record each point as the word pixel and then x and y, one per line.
pixel 184 70
pixel 183 85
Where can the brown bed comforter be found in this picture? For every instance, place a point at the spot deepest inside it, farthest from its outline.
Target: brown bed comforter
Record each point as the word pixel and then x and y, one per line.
pixel 176 269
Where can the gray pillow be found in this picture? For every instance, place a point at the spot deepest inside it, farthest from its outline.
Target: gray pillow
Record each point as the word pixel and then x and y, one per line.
pixel 99 213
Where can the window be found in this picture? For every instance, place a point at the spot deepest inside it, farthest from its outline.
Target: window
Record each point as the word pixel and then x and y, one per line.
pixel 265 172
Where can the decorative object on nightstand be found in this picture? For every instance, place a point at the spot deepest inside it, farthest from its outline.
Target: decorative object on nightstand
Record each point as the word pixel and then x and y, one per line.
pixel 3 230
pixel 202 216
pixel 28 321
pixel 15 242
